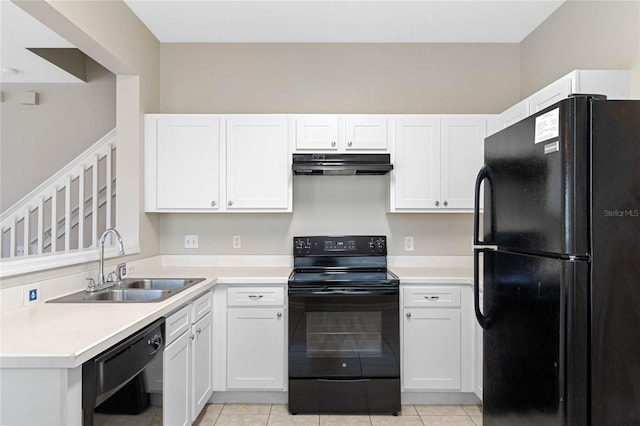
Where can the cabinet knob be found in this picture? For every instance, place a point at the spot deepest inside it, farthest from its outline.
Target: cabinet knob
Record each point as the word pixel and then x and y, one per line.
pixel 199 330
pixel 213 204
pixel 230 203
pixel 193 336
pixel 333 144
pixel 350 143
pixel 279 314
pixel 408 314
pixel 437 203
pixel 446 203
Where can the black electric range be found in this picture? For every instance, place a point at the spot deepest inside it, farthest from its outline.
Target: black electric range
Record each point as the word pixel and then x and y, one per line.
pixel 344 331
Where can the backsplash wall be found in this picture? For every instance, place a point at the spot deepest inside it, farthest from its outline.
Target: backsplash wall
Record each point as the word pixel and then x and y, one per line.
pixel 331 205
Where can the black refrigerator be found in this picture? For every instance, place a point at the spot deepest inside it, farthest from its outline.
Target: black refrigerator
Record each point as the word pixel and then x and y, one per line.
pixel 558 249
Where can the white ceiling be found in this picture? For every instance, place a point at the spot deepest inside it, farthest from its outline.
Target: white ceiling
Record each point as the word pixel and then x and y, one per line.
pixel 358 21
pixel 19 30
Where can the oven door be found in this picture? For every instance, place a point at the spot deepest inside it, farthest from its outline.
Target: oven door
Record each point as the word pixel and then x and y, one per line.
pixel 344 333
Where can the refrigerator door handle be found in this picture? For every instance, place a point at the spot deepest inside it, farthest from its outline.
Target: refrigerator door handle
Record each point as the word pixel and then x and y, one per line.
pixel 484 321
pixel 483 174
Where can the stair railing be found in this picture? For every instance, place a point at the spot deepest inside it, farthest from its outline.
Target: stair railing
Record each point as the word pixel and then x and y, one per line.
pixel 68 211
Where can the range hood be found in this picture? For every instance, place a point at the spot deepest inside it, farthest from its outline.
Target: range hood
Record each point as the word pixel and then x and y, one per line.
pixel 341 164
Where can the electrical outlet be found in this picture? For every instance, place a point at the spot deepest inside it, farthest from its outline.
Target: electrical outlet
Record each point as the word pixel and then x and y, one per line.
pixel 408 244
pixel 31 293
pixel 237 241
pixel 20 251
pixel 191 241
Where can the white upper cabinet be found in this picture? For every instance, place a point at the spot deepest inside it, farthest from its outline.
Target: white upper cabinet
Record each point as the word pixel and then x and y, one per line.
pixel 214 163
pixel 615 84
pixel 416 175
pixel 551 94
pixel 317 132
pixel 462 156
pixel 514 114
pixel 436 160
pixel 366 132
pixel 182 160
pixel 258 163
pixel 342 133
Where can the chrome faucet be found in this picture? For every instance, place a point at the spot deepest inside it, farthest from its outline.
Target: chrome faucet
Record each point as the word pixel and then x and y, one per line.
pixel 102 281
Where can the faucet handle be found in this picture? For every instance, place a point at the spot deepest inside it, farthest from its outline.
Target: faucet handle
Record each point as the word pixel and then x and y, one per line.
pixel 110 277
pixel 91 286
pixel 121 271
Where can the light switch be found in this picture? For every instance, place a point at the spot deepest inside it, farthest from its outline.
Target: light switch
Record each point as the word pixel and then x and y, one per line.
pixel 191 241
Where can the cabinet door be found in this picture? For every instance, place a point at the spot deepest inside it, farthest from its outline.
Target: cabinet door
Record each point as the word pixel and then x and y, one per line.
pixel 364 132
pixel 202 364
pixel 187 162
pixel 518 112
pixel 255 352
pixel 478 357
pixel 431 353
pixel 551 94
pixel 317 132
pixel 416 175
pixel 258 164
pixel 176 400
pixel 462 152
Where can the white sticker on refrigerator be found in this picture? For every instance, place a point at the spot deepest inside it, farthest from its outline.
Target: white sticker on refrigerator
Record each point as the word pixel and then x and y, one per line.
pixel 547 126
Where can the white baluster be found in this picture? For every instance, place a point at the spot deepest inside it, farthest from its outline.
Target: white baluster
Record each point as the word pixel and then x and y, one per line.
pixel 40 225
pixel 12 236
pixel 81 208
pixel 54 219
pixel 27 229
pixel 108 191
pixel 94 203
pixel 67 213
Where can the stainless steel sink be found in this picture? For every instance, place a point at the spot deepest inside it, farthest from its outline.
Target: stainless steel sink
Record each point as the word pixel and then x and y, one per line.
pixel 133 290
pixel 160 283
pixel 126 295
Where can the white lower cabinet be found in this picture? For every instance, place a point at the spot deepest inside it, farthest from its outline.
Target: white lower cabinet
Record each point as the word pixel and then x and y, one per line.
pixel 478 363
pixel 187 366
pixel 437 345
pixel 431 350
pixel 256 327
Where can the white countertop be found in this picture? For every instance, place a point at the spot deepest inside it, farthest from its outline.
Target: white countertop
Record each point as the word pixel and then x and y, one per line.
pixel 65 335
pixel 434 275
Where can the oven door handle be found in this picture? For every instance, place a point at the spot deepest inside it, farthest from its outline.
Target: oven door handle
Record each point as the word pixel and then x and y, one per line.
pixel 353 292
pixel 340 291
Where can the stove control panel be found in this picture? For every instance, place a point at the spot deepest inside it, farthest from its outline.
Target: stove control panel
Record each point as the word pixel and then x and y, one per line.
pixel 355 245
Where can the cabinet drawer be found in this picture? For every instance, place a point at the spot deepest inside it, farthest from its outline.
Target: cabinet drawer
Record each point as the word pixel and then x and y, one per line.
pixel 177 323
pixel 255 296
pixel 431 296
pixel 201 307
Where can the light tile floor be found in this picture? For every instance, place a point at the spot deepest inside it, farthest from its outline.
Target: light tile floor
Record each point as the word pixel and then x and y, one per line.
pixel 278 415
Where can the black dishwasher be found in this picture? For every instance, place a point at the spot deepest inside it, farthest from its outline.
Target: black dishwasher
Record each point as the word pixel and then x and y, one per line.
pixel 105 374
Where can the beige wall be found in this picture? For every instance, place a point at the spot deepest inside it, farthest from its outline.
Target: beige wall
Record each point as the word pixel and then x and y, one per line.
pixel 583 35
pixel 38 140
pixel 111 34
pixel 332 78
pixel 339 78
